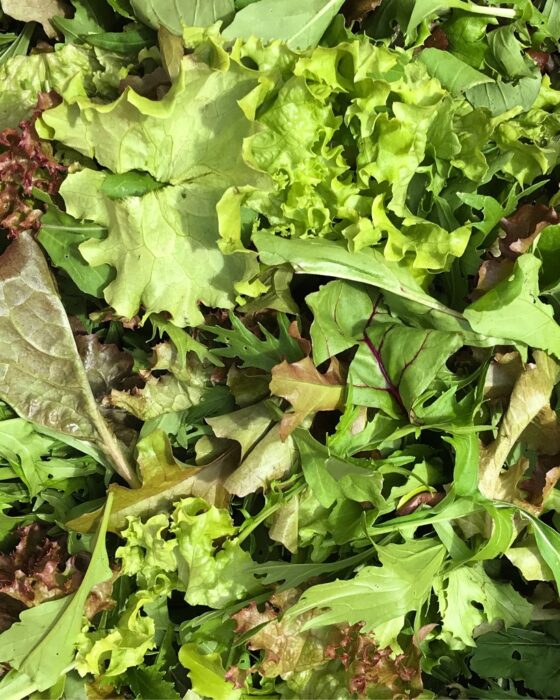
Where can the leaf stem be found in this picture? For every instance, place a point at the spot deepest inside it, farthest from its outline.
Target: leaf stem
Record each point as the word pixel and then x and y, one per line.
pixel 506 12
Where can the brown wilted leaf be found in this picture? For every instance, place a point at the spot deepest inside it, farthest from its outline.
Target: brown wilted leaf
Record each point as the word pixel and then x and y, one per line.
pixel 503 372
pixel 106 365
pixel 530 395
pixel 358 10
pixel 521 228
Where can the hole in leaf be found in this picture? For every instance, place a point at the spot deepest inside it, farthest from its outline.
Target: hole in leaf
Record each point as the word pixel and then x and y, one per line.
pixel 516 655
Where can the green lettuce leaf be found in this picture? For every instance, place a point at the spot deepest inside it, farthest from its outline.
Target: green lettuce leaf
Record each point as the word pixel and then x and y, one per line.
pixel 110 653
pixel 174 268
pixel 136 133
pixel 193 551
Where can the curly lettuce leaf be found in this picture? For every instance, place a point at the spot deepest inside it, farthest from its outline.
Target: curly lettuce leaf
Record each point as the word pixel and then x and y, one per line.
pixel 162 247
pixel 136 133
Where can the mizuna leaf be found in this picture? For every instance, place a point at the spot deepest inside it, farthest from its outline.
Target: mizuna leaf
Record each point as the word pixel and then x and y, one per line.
pixel 41 645
pixel 41 374
pixel 307 390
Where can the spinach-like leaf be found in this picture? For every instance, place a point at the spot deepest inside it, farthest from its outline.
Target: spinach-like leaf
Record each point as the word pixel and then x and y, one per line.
pixel 300 24
pixel 173 15
pixel 41 374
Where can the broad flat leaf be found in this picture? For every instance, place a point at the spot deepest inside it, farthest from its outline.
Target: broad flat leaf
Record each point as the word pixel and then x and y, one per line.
pixel 41 645
pixel 246 426
pixel 61 235
pixel 132 184
pixel 307 390
pixel 498 96
pixel 41 11
pixel 530 395
pixel 453 73
pixel 41 374
pixel 499 310
pixel 173 14
pixel 164 481
pixel 331 259
pixel 377 594
pixel 300 25
pixel 395 364
pixel 340 313
pixel 106 365
pixel 162 246
pixel 524 655
pixel 270 459
pixel 470 598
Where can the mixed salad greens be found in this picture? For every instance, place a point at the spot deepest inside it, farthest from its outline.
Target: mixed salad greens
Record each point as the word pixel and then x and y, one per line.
pixel 279 349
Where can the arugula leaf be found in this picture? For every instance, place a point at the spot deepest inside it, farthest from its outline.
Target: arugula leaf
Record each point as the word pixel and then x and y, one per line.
pixel 61 235
pixel 42 360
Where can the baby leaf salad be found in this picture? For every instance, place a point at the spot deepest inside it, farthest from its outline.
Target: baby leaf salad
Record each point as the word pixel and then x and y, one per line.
pixel 279 349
